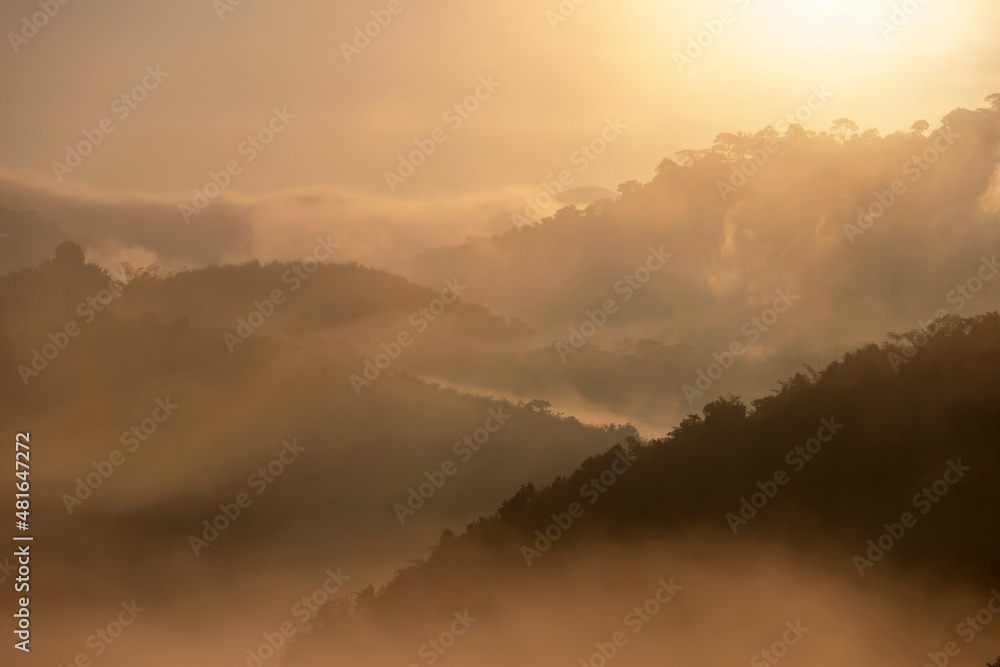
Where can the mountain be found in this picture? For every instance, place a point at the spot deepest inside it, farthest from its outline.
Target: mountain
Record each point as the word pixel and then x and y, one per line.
pixel 875 471
pixel 847 220
pixel 168 448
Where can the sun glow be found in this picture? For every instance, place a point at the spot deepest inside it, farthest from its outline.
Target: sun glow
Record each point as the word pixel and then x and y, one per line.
pixel 821 24
pixel 849 30
pixel 862 10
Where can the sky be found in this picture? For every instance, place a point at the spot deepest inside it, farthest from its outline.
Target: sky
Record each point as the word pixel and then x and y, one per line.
pixel 406 136
pixel 557 74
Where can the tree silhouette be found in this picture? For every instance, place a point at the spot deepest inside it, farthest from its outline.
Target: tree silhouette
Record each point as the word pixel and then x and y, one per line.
pixel 892 432
pixel 69 254
pixel 844 128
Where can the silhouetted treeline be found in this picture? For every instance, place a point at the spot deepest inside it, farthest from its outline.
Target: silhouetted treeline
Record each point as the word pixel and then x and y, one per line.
pixel 888 437
pixel 790 221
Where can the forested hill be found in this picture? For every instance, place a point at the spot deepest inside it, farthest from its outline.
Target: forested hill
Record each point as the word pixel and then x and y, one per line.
pixel 895 438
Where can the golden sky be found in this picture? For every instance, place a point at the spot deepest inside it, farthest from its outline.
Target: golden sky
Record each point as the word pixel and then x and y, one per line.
pixel 563 70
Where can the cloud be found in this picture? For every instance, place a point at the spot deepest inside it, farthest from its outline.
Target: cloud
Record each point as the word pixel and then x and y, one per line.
pixel 144 228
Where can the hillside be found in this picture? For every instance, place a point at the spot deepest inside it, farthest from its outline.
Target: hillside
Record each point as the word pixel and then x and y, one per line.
pixel 857 452
pixel 151 424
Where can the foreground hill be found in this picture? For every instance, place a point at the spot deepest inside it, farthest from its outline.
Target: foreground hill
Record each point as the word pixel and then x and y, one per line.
pixel 869 479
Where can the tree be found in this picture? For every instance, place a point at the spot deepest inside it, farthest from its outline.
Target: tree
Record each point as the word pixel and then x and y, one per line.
pixel 629 188
pixel 994 101
pixel 725 411
pixel 538 405
pixel 733 146
pixel 844 128
pixel 69 254
pixel 920 126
